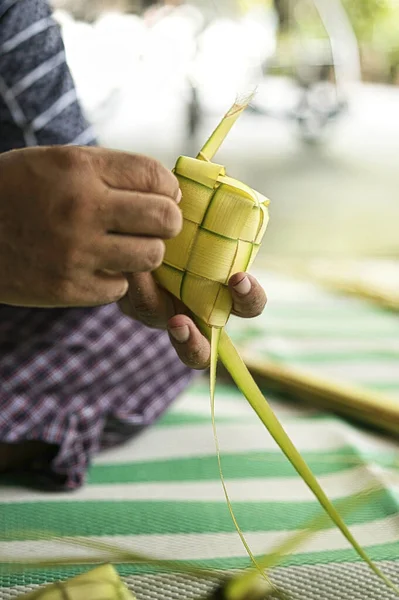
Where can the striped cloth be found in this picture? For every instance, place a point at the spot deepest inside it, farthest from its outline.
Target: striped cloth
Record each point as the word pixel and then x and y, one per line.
pixel 160 494
pixel 38 98
pixel 338 338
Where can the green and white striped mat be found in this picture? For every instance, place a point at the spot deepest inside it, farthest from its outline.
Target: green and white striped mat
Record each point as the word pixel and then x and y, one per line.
pixel 161 495
pixel 338 338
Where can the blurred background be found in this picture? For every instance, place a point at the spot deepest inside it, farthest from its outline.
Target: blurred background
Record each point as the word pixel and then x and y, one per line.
pixel 321 139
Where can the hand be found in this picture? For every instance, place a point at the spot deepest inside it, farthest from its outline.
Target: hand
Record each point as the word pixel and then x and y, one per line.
pixel 148 303
pixel 73 220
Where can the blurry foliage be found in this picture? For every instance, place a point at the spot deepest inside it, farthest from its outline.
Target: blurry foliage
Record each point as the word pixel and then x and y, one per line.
pixel 386 39
pixel 366 14
pixel 246 5
pixel 375 22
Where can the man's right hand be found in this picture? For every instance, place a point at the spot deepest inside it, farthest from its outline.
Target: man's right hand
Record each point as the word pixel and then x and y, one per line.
pixel 73 220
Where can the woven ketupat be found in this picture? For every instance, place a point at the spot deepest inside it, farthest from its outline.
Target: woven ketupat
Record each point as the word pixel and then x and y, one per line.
pixel 98 584
pixel 224 221
pixel 223 224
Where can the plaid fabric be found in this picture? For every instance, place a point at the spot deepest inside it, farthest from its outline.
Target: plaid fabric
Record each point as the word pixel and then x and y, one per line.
pixel 84 378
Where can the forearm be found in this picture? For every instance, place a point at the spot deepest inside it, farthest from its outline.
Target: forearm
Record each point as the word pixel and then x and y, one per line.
pixel 38 101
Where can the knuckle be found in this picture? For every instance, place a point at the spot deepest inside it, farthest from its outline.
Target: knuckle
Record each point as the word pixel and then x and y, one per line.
pixel 70 157
pixel 81 209
pixel 76 207
pixel 73 206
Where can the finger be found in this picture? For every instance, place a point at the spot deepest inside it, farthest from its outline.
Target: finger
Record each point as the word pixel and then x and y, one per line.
pixel 125 254
pixel 112 287
pixel 249 298
pixel 147 302
pixel 191 346
pixel 135 172
pixel 94 290
pixel 142 214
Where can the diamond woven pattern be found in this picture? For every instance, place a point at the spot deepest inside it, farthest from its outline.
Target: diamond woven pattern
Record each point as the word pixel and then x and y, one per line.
pixel 223 225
